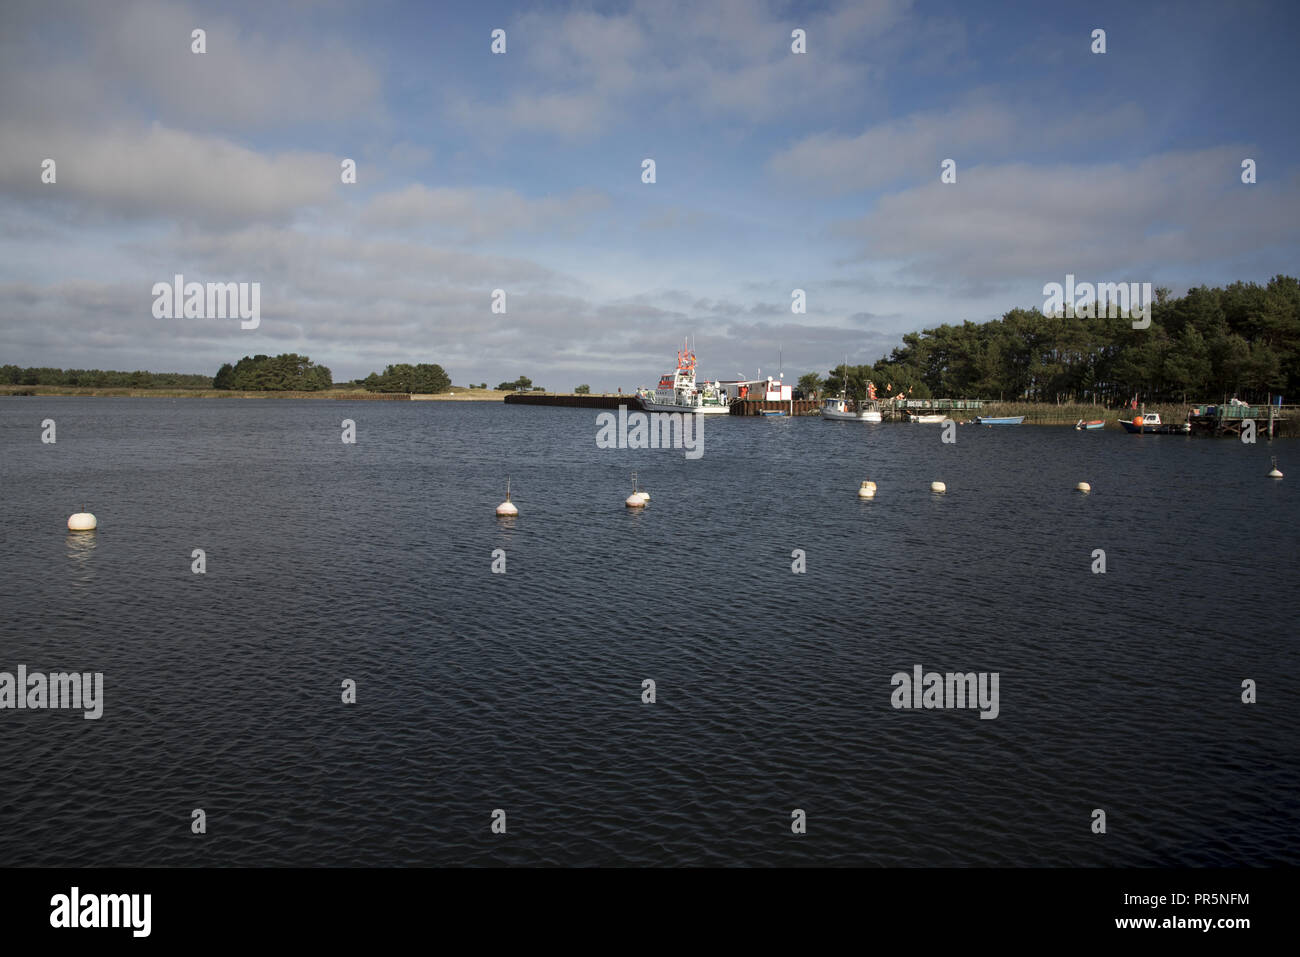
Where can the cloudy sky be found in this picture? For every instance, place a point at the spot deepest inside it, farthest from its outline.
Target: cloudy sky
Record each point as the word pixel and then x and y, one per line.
pixel 523 172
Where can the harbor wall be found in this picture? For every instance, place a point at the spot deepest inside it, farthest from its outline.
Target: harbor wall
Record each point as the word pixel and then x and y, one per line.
pixel 574 401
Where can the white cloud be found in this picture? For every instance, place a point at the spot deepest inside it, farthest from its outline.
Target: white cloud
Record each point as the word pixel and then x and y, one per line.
pixel 160 172
pixel 913 147
pixel 1108 220
pixel 478 213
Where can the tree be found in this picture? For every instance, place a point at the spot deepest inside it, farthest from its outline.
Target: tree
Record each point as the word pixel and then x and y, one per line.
pixel 283 373
pixel 582 390
pixel 522 384
pixel 422 379
pixel 810 384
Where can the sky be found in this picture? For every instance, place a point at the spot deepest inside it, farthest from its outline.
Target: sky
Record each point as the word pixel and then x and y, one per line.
pixel 523 172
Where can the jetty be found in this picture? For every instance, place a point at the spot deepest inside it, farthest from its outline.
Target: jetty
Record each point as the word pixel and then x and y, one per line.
pixel 1229 419
pixel 891 409
pixel 605 401
pixel 788 406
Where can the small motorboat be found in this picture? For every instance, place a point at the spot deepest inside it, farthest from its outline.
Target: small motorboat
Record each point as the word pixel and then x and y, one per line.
pixel 1089 426
pixel 999 420
pixel 928 419
pixel 772 412
pixel 1150 424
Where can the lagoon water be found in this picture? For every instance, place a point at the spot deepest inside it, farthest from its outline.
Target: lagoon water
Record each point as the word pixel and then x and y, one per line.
pixel 522 691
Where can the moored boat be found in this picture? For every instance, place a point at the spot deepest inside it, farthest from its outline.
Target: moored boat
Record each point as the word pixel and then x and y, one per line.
pixel 999 419
pixel 1150 424
pixel 678 392
pixel 1090 425
pixel 927 418
pixel 837 410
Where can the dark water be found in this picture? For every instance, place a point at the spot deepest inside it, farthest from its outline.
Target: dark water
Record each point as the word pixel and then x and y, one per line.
pixel 522 691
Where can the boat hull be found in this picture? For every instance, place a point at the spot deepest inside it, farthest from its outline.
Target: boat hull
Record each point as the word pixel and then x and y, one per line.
pixel 927 419
pixel 1132 429
pixel 702 409
pixel 870 415
pixel 999 420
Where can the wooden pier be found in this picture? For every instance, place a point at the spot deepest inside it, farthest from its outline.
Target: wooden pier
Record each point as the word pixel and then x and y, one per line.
pixel 788 406
pixel 1270 420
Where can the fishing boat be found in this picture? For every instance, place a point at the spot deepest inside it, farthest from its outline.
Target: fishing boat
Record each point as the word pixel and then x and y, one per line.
pixel 837 410
pixel 1150 424
pixel 1090 425
pixel 678 391
pixel 927 418
pixel 999 420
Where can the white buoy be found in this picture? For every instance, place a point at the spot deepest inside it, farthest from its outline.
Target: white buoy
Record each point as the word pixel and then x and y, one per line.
pixel 638 498
pixel 1083 487
pixel 82 522
pixel 507 508
pixel 867 490
pixel 1276 473
pixel 938 487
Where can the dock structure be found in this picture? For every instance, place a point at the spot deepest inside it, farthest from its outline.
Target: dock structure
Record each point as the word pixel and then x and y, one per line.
pixel 788 406
pixel 633 402
pixel 899 408
pixel 1229 419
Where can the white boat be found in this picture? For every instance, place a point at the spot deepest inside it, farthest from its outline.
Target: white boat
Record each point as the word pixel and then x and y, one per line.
pixel 927 419
pixel 678 391
pixel 837 410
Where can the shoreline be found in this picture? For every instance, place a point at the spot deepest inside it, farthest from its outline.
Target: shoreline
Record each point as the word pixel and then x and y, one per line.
pixel 70 391
pixel 1044 414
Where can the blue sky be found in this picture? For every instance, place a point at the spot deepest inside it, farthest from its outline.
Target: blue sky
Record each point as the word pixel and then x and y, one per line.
pixel 775 171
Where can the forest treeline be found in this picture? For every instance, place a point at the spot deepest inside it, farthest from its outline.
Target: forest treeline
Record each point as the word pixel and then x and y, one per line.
pixel 1208 345
pixel 102 378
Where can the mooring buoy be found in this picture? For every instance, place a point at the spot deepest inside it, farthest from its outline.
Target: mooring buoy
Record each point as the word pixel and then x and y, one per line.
pixel 507 508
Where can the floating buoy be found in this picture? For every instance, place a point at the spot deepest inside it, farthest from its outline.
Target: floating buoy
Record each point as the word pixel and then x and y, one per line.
pixel 638 498
pixel 938 487
pixel 507 508
pixel 1276 473
pixel 1084 487
pixel 867 490
pixel 82 522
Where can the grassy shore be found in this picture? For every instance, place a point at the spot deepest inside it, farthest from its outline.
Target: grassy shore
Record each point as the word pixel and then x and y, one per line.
pixel 1046 413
